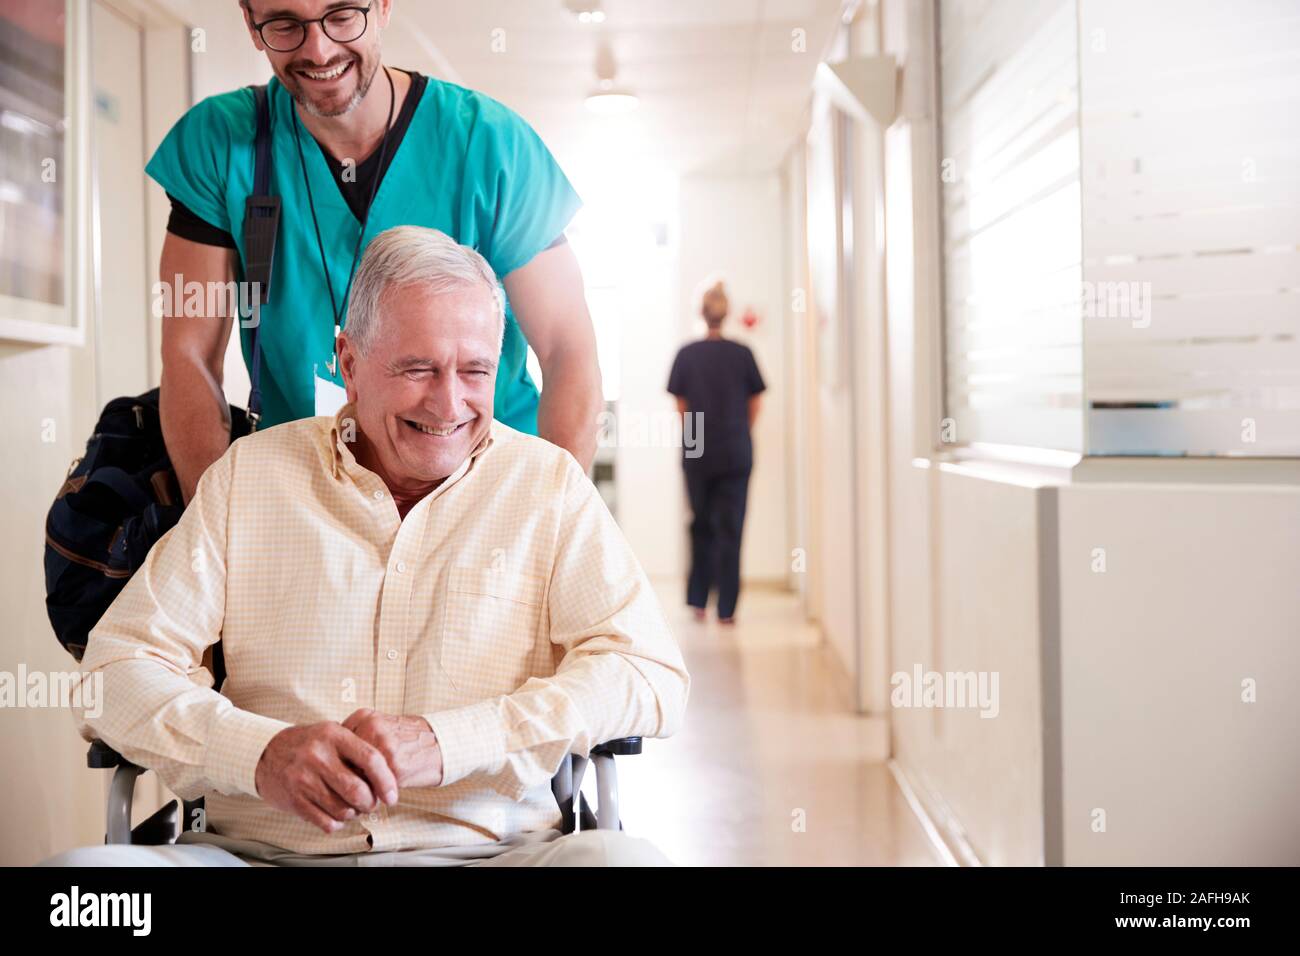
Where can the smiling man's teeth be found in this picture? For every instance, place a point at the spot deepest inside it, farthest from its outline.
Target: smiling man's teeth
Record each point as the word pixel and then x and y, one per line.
pixel 440 432
pixel 328 74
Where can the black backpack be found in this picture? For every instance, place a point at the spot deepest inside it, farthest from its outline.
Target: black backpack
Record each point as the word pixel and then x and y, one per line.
pixel 118 500
pixel 122 495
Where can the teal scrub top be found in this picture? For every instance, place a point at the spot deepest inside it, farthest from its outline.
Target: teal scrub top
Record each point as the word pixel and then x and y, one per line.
pixel 467 166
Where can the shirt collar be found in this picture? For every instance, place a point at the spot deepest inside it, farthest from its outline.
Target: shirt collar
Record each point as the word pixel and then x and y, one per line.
pixel 343 431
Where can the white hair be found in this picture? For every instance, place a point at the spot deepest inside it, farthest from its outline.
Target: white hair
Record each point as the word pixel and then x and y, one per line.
pixel 414 255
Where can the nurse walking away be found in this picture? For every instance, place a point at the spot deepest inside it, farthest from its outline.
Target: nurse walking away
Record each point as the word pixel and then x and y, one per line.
pixel 718 380
pixel 357 148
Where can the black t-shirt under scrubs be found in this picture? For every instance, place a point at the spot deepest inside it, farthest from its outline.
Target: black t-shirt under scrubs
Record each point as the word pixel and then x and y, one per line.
pixel 717 377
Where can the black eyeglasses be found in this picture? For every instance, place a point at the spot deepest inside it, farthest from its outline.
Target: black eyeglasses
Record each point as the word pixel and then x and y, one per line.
pixel 286 34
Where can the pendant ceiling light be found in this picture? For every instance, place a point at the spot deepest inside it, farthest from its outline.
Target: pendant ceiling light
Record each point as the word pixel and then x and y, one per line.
pixel 608 97
pixel 587 11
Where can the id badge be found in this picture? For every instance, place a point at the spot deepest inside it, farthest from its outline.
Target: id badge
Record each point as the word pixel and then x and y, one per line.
pixel 330 396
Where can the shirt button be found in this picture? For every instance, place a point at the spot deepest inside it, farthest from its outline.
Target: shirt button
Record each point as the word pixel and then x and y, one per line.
pixel 392 655
pixel 373 817
pixel 401 567
pixel 379 496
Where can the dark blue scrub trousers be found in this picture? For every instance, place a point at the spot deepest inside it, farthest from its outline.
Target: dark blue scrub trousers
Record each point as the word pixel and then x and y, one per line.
pixel 718 505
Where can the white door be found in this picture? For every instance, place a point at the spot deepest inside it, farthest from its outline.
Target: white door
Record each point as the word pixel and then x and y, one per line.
pixel 121 309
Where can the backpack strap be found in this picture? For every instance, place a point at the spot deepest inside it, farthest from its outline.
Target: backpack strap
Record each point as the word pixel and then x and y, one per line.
pixel 261 223
pixel 120 483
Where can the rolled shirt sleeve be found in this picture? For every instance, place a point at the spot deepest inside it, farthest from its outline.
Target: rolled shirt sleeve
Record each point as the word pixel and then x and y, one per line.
pixel 160 710
pixel 621 675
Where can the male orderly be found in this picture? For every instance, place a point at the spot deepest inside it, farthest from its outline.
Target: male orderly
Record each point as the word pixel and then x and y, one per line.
pixel 358 147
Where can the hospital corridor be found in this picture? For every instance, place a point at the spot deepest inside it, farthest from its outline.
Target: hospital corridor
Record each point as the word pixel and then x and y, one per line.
pixel 751 434
pixel 781 771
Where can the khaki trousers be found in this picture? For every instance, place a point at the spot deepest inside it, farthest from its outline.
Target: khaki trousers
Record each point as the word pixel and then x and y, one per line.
pixel 538 848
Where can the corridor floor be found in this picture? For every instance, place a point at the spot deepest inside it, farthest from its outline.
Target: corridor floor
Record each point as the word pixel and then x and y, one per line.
pixel 771 768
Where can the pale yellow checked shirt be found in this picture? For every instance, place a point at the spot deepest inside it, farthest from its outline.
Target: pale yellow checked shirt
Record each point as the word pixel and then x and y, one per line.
pixel 507 609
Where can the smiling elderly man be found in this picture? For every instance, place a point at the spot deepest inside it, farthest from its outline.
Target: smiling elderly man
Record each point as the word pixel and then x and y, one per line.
pixel 421 609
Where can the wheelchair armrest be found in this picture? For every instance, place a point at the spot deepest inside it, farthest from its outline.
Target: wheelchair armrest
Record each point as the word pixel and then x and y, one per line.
pixel 619 747
pixel 567 786
pixel 101 756
pixel 121 794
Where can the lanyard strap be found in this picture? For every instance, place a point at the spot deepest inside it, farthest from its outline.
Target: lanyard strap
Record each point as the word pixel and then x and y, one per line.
pixel 365 219
pixel 261 221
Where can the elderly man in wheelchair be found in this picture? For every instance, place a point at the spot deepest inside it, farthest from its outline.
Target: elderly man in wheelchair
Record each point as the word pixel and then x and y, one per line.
pixel 428 621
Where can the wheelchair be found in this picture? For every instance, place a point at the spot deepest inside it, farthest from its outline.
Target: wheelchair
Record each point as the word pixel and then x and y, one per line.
pixel 164 826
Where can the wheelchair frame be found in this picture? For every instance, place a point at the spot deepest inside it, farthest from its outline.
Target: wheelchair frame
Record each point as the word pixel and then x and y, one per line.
pixel 164 826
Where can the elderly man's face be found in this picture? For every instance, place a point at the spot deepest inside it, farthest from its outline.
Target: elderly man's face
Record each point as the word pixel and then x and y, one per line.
pixel 423 393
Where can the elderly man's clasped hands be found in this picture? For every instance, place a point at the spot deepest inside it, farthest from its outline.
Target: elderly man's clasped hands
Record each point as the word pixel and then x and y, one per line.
pixel 328 772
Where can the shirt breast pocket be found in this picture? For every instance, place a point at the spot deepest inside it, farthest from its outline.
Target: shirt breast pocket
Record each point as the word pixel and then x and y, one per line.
pixel 492 637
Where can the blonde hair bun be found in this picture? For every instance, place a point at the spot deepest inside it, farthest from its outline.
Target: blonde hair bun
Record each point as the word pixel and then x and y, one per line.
pixel 713 303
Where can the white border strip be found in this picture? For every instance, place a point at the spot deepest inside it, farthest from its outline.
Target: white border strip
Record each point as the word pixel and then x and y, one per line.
pixel 922 815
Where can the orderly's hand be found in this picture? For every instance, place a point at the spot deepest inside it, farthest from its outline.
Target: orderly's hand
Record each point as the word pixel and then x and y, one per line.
pixel 325 774
pixel 407 743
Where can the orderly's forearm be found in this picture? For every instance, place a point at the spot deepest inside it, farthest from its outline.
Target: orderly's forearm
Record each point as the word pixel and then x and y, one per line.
pixel 195 420
pixel 195 415
pixel 571 401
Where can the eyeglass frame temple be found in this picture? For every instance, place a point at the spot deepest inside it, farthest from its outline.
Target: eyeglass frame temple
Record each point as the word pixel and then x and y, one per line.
pixel 365 16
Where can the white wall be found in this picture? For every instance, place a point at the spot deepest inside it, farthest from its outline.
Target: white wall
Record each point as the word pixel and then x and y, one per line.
pixel 1119 691
pixel 949 556
pixel 798 357
pixel 52 801
pixel 964 549
pixel 49 801
pixel 985 548
pixel 965 543
pixel 838 370
pixel 650 498
pixel 827 441
pixel 1199 594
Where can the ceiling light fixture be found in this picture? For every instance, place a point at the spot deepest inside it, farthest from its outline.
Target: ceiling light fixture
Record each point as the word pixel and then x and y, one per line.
pixel 587 11
pixel 609 98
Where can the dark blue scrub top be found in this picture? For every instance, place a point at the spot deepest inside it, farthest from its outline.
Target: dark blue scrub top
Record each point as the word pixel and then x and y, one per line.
pixel 717 378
